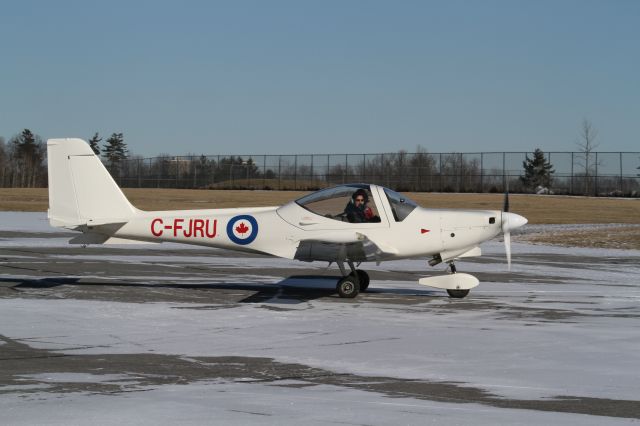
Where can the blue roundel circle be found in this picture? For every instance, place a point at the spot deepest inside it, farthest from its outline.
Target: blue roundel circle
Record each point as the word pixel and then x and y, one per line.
pixel 242 229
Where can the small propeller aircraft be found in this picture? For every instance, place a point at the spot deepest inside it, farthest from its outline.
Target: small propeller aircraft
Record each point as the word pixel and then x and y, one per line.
pixel 346 224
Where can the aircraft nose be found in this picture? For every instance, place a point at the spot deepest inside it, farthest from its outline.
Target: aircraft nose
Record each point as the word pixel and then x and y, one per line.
pixel 511 221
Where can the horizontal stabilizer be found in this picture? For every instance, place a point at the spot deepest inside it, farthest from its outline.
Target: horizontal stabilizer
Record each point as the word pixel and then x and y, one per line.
pixel 89 238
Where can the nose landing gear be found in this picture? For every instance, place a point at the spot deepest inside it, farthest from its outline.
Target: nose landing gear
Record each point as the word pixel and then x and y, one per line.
pixel 456 293
pixel 456 284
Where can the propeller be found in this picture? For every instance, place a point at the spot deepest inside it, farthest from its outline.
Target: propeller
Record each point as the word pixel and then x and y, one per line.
pixel 510 221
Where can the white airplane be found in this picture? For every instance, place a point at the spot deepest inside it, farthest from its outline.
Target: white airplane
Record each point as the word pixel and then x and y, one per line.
pixel 347 224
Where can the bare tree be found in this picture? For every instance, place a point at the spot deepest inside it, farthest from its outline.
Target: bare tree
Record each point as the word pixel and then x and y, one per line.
pixel 587 142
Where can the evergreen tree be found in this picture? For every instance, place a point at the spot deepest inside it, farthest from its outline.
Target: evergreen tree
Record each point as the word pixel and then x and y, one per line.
pixel 28 153
pixel 537 171
pixel 115 149
pixel 93 142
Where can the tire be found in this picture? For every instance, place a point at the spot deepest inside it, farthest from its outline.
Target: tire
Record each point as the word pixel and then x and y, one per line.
pixel 458 294
pixel 364 279
pixel 348 287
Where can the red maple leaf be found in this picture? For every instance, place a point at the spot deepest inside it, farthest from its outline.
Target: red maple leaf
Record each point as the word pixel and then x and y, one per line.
pixel 242 228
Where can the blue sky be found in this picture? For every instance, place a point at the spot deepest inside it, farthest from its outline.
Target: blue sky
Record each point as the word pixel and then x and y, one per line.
pixel 324 76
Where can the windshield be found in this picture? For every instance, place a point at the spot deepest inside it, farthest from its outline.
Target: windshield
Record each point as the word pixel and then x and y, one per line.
pixel 401 206
pixel 346 203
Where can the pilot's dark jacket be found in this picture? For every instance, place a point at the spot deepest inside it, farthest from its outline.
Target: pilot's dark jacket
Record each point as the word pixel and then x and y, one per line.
pixel 354 213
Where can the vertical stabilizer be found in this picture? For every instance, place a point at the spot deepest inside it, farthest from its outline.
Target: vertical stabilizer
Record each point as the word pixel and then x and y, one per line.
pixel 81 190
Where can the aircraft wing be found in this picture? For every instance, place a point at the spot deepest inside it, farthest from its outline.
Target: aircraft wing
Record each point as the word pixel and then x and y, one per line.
pixel 339 247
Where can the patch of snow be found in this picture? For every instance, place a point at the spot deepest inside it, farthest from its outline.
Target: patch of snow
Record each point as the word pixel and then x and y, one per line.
pixel 26 222
pixel 259 404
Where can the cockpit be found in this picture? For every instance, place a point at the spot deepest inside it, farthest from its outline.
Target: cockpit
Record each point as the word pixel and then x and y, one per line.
pixel 401 206
pixel 355 203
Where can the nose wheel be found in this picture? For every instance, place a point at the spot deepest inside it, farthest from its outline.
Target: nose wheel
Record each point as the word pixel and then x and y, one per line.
pixel 456 293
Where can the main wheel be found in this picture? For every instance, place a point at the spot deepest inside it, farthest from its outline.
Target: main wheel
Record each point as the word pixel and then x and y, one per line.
pixel 348 287
pixel 458 294
pixel 364 279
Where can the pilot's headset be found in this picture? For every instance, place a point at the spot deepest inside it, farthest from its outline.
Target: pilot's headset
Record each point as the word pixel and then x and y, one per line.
pixel 360 192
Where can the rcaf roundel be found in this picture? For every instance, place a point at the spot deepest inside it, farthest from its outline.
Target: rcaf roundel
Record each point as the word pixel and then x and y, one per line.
pixel 242 229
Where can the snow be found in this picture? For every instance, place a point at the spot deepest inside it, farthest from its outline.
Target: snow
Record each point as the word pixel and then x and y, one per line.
pixel 25 222
pixel 258 404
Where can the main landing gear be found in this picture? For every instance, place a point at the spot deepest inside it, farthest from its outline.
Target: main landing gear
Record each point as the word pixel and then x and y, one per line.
pixel 350 285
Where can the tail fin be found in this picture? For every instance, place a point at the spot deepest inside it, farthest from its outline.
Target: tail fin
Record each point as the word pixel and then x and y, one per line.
pixel 81 190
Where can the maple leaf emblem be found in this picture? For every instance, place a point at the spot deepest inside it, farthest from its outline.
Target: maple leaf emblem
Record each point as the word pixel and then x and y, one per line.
pixel 242 228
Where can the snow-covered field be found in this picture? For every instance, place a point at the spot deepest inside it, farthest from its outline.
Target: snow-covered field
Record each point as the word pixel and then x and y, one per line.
pixel 142 335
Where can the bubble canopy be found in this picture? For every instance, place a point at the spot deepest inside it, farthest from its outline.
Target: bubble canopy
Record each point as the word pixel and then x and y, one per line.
pixel 336 202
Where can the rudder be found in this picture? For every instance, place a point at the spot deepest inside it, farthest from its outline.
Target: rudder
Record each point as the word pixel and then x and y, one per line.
pixel 81 190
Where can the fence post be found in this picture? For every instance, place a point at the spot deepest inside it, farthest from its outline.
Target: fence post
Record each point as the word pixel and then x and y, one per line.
pixel 346 168
pixel 279 172
pixel 596 180
pixel 440 172
pixel 621 189
pixel 571 179
pixel 326 177
pixel 482 172
pixel 504 166
pixel 459 176
pixel 311 178
pixel 177 172
pixel 264 171
pixel 295 172
pixel 419 171
pixel 386 172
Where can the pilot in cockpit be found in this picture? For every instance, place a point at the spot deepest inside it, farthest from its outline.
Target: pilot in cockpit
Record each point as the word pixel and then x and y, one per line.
pixel 357 210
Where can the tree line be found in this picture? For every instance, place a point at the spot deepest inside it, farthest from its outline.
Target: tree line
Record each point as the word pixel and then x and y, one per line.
pixel 23 158
pixel 23 164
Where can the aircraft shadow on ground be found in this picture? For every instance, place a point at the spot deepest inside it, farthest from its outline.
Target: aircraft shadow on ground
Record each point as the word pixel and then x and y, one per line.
pixel 295 288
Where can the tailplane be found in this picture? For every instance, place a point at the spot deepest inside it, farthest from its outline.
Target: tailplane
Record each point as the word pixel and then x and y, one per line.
pixel 81 190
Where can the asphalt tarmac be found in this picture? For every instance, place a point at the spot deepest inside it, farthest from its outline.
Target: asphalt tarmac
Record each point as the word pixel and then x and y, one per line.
pixel 205 281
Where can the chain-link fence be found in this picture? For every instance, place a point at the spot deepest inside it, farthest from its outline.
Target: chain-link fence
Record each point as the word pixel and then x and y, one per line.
pixel 596 173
